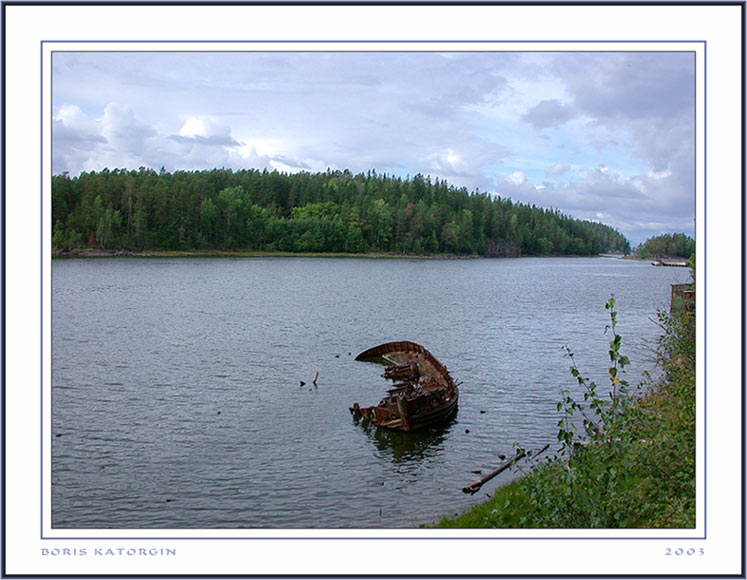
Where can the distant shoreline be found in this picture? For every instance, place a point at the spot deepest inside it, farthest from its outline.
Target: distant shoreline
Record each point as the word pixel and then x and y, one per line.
pixel 94 253
pixel 98 253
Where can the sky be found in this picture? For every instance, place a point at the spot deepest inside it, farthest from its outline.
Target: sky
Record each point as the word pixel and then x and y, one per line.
pixel 603 136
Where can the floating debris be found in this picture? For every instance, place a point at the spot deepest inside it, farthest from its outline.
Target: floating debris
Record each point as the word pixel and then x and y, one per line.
pixel 520 454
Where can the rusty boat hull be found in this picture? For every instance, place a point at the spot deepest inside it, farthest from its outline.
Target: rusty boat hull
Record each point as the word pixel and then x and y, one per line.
pixel 424 393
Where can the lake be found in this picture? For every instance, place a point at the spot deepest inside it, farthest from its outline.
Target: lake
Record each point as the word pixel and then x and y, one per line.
pixel 176 383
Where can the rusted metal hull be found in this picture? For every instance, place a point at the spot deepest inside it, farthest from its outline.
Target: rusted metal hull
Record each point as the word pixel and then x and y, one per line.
pixel 424 395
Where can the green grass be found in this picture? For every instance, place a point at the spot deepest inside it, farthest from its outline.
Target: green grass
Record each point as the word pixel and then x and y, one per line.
pixel 643 479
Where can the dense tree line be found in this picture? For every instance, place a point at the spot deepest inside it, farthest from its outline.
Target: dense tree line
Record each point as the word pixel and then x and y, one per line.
pixel 667 245
pixel 334 211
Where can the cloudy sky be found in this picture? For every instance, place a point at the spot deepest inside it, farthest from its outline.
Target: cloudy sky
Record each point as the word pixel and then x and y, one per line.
pixel 600 136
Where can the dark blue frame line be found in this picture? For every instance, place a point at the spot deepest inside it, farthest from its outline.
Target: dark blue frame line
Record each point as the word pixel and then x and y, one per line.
pixel 3 240
pixel 461 42
pixel 41 299
pixel 744 302
pixel 705 281
pixel 358 41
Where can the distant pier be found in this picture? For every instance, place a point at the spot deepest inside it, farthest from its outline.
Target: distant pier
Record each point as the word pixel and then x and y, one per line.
pixel 679 263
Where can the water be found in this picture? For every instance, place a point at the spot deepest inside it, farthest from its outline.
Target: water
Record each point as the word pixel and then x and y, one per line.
pixel 177 399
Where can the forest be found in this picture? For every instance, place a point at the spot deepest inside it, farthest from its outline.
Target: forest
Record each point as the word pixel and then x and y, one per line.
pixel 667 245
pixel 333 211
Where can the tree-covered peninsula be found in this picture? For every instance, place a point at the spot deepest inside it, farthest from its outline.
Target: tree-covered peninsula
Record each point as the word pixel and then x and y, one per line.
pixel 333 211
pixel 667 246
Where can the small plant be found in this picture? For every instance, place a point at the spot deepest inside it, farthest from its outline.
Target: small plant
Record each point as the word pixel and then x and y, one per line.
pixel 596 411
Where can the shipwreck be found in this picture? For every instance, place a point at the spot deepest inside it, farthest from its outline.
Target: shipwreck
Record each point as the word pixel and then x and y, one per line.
pixel 424 393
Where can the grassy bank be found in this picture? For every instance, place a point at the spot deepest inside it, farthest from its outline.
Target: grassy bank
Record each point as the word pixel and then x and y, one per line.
pixel 626 460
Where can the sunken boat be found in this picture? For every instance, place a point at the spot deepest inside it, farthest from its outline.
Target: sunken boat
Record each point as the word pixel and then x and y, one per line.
pixel 424 393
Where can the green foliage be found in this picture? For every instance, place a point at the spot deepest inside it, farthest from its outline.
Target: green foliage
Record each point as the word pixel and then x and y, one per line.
pixel 632 466
pixel 667 245
pixel 598 414
pixel 335 211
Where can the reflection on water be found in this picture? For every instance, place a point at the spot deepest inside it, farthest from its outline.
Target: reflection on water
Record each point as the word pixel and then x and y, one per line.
pixel 401 447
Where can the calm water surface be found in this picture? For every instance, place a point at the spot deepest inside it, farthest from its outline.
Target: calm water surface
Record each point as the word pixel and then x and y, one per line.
pixel 177 398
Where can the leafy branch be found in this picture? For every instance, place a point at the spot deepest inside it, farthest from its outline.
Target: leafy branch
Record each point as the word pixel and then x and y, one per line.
pixel 597 412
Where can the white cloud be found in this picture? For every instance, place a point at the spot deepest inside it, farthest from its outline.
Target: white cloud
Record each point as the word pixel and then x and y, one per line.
pixel 207 130
pixel 193 127
pixel 516 178
pixel 122 129
pixel 446 162
pixel 284 167
pixel 73 117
